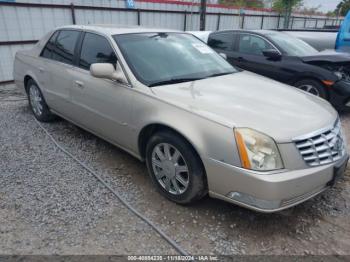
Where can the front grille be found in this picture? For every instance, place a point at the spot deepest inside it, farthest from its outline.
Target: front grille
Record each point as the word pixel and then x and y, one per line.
pixel 323 148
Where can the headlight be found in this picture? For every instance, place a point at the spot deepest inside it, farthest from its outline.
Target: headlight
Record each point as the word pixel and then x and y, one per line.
pixel 257 151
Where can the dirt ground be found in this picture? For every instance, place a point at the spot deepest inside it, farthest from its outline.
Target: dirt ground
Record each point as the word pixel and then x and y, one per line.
pixel 50 205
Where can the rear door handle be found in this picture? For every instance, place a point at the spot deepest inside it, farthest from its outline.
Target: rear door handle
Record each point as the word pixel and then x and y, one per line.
pixel 79 83
pixel 41 70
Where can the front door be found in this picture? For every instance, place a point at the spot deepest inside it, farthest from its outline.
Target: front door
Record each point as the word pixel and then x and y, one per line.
pixel 250 57
pixel 101 105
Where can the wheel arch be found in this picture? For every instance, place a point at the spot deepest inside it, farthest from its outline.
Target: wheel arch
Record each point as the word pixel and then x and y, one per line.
pixel 29 76
pixel 313 78
pixel 26 80
pixel 152 128
pixel 306 77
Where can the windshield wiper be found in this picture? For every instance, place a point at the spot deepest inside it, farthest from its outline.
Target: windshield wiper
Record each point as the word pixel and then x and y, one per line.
pixel 220 74
pixel 181 80
pixel 174 81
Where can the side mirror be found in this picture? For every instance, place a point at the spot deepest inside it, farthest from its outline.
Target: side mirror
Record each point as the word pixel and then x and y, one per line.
pixel 107 70
pixel 272 54
pixel 224 56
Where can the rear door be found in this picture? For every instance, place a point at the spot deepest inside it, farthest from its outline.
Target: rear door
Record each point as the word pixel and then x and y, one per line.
pixel 101 105
pixel 59 55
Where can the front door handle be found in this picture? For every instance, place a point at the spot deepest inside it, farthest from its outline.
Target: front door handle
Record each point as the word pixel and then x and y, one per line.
pixel 79 84
pixel 41 70
pixel 240 59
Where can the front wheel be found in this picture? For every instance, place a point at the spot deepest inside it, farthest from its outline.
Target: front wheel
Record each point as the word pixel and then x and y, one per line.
pixel 312 86
pixel 175 168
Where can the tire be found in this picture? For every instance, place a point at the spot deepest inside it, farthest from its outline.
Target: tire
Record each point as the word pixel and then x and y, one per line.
pixel 313 87
pixel 37 103
pixel 192 186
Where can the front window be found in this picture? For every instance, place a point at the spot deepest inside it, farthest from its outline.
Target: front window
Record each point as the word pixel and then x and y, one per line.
pixel 167 58
pixel 292 46
pixel 254 45
pixel 96 49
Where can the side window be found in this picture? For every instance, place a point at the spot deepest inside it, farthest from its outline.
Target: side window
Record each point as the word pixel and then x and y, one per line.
pixel 65 45
pixel 96 49
pixel 48 49
pixel 221 41
pixel 254 45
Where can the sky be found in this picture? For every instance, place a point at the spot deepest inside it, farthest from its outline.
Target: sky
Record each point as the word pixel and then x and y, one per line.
pixel 326 5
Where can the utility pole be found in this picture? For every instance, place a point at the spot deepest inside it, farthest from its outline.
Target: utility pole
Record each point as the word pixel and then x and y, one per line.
pixel 202 12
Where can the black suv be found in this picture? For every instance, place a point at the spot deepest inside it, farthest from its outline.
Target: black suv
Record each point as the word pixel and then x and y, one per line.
pixel 289 60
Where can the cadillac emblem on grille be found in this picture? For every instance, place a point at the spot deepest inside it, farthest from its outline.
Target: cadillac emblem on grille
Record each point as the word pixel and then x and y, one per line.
pixel 322 148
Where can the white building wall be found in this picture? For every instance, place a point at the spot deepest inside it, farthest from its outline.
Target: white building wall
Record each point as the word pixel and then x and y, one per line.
pixel 31 23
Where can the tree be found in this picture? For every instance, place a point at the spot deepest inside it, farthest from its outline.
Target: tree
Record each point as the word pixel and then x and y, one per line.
pixel 331 14
pixel 243 3
pixel 342 8
pixel 284 5
pixel 309 10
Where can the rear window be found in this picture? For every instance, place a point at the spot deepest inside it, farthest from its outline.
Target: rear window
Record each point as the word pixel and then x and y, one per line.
pixel 65 46
pixel 48 49
pixel 221 41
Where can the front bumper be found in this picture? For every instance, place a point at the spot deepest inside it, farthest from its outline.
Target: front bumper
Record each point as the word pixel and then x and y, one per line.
pixel 339 95
pixel 270 192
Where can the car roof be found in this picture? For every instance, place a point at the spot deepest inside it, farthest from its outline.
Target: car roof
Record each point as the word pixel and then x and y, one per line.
pixel 112 29
pixel 256 31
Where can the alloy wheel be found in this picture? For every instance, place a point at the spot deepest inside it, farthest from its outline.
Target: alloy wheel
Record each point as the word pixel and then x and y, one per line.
pixel 170 168
pixel 310 89
pixel 35 100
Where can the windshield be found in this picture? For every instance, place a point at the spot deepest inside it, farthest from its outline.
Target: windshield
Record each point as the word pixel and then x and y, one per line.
pixel 292 45
pixel 167 58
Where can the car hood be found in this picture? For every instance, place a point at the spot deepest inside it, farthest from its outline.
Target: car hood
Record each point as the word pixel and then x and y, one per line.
pixel 245 99
pixel 327 56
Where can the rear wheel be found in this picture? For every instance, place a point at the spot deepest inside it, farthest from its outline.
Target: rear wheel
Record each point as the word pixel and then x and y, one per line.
pixel 175 169
pixel 37 103
pixel 312 86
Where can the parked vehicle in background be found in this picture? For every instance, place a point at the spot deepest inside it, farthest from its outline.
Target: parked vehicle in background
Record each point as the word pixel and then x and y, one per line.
pixel 343 38
pixel 318 39
pixel 201 125
pixel 287 59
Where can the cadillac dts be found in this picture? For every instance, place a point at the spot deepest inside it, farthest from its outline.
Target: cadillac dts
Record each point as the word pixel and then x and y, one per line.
pixel 202 126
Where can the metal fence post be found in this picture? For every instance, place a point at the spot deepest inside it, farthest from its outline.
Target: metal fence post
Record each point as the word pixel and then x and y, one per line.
pixel 202 14
pixel 73 13
pixel 185 20
pixel 218 22
pixel 242 25
pixel 278 21
pixel 138 17
pixel 291 26
pixel 305 19
pixel 316 24
pixel 262 22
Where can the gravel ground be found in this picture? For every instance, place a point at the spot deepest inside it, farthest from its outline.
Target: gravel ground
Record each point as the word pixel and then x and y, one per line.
pixel 50 205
